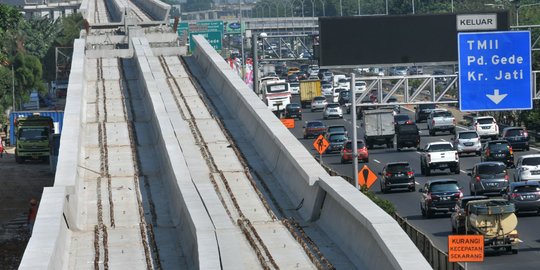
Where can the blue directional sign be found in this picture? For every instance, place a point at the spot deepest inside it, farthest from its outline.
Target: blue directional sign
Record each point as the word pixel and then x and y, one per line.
pixel 495 71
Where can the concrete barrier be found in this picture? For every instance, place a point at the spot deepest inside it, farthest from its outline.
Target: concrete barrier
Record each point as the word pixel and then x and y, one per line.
pixel 159 11
pixel 57 214
pixel 369 237
pixel 193 225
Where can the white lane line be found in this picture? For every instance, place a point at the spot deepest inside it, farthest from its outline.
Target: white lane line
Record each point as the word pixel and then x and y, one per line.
pixel 443 140
pixel 416 183
pixel 465 172
pixel 534 148
pixel 376 161
pixel 418 153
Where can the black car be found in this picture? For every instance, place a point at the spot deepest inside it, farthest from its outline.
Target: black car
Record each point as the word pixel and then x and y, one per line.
pixel 335 128
pixel 517 137
pixel 457 219
pixel 344 97
pixel 397 175
pixel 293 110
pixel 524 195
pixel 422 111
pixel 439 196
pixel 401 119
pixel 488 177
pixel 498 150
pixel 407 135
pixel 336 141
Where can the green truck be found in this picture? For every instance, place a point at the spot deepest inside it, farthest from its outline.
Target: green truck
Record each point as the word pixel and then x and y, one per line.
pixel 33 138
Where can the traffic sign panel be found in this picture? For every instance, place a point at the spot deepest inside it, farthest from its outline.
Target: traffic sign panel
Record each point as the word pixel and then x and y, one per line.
pixel 465 248
pixel 321 144
pixel 495 71
pixel 366 177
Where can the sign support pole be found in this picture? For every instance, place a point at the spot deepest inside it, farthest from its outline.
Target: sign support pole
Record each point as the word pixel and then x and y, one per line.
pixel 320 158
pixel 355 139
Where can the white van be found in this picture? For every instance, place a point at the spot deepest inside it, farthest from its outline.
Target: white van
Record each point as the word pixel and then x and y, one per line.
pixel 337 77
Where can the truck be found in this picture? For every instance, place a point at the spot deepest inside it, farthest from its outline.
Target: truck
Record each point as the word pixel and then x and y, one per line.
pixel 378 127
pixel 495 219
pixel 308 90
pixel 33 136
pixel 276 94
pixel 22 121
pixel 441 120
pixel 440 156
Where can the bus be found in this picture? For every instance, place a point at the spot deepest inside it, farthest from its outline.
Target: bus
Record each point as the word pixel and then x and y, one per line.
pixel 276 94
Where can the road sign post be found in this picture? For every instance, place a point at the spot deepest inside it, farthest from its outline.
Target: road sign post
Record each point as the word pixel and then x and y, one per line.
pixel 366 177
pixel 320 145
pixel 495 71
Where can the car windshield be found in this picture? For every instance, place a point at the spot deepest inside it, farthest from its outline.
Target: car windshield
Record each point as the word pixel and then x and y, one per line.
pixel 439 72
pixel 468 135
pixel 359 145
pixel 499 146
pixel 492 169
pixel 526 188
pixel 315 124
pixel 392 168
pixel 531 161
pixel 408 129
pixel 426 106
pixel 515 132
pixel 295 84
pixel 33 134
pixel 345 93
pixel 343 81
pixel 337 137
pixel 293 106
pixel 337 128
pixel 440 147
pixel 442 114
pixel 485 121
pixel 441 187
pixel 326 86
pixel 401 117
pixel 319 99
pixel 360 83
pixel 333 105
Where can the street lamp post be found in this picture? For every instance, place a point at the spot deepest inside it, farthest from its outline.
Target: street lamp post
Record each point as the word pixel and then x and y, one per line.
pixel 452 3
pixel 359 10
pixel 412 6
pixel 313 8
pixel 323 9
pixel 386 7
pixel 340 8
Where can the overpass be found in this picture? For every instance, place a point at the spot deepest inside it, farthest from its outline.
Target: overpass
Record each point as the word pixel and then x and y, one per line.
pixel 170 161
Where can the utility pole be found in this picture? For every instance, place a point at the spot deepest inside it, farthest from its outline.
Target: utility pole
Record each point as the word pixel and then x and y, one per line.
pixel 13 86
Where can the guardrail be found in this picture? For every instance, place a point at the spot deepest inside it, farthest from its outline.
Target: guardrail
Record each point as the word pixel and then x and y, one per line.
pixel 437 258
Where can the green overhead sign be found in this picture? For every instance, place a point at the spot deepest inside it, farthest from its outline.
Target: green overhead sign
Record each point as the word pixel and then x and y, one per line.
pixel 211 30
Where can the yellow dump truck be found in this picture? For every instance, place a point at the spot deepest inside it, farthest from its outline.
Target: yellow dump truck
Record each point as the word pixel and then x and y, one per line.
pixel 308 90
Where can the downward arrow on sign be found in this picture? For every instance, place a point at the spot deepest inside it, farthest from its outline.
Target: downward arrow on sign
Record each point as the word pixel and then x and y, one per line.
pixel 496 98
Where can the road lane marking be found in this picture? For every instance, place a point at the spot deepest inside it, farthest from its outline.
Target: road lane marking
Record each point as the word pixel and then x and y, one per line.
pixel 416 183
pixel 465 172
pixel 443 140
pixel 376 161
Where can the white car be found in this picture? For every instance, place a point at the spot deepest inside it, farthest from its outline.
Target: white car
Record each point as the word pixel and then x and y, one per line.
pixel 335 95
pixel 344 83
pixel 295 88
pixel 327 89
pixel 318 103
pixel 528 168
pixel 332 110
pixel 467 141
pixel 486 126
pixel 360 86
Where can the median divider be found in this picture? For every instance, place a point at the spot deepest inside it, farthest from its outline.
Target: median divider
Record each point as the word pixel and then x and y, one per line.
pixel 369 237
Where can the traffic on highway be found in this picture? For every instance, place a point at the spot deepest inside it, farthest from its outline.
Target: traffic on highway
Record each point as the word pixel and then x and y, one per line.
pixel 431 164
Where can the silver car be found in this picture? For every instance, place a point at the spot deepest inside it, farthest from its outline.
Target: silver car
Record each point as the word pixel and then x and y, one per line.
pixel 528 168
pixel 318 103
pixel 467 142
pixel 488 177
pixel 332 110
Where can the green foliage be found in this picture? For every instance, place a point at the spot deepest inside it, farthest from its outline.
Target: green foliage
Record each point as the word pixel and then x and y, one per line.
pixel 70 28
pixel 9 17
pixel 28 72
pixel 39 35
pixel 385 205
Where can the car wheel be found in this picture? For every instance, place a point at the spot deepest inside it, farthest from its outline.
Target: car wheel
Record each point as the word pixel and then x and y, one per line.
pixel 453 229
pixel 384 190
pixel 422 211
pixel 342 161
pixel 431 132
pixel 422 169
pixel 478 153
pixel 429 213
pixel 527 148
pixel 428 171
pixel 413 189
pixel 456 170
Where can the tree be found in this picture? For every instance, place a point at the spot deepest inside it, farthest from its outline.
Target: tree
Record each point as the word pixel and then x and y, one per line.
pixel 39 35
pixel 28 72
